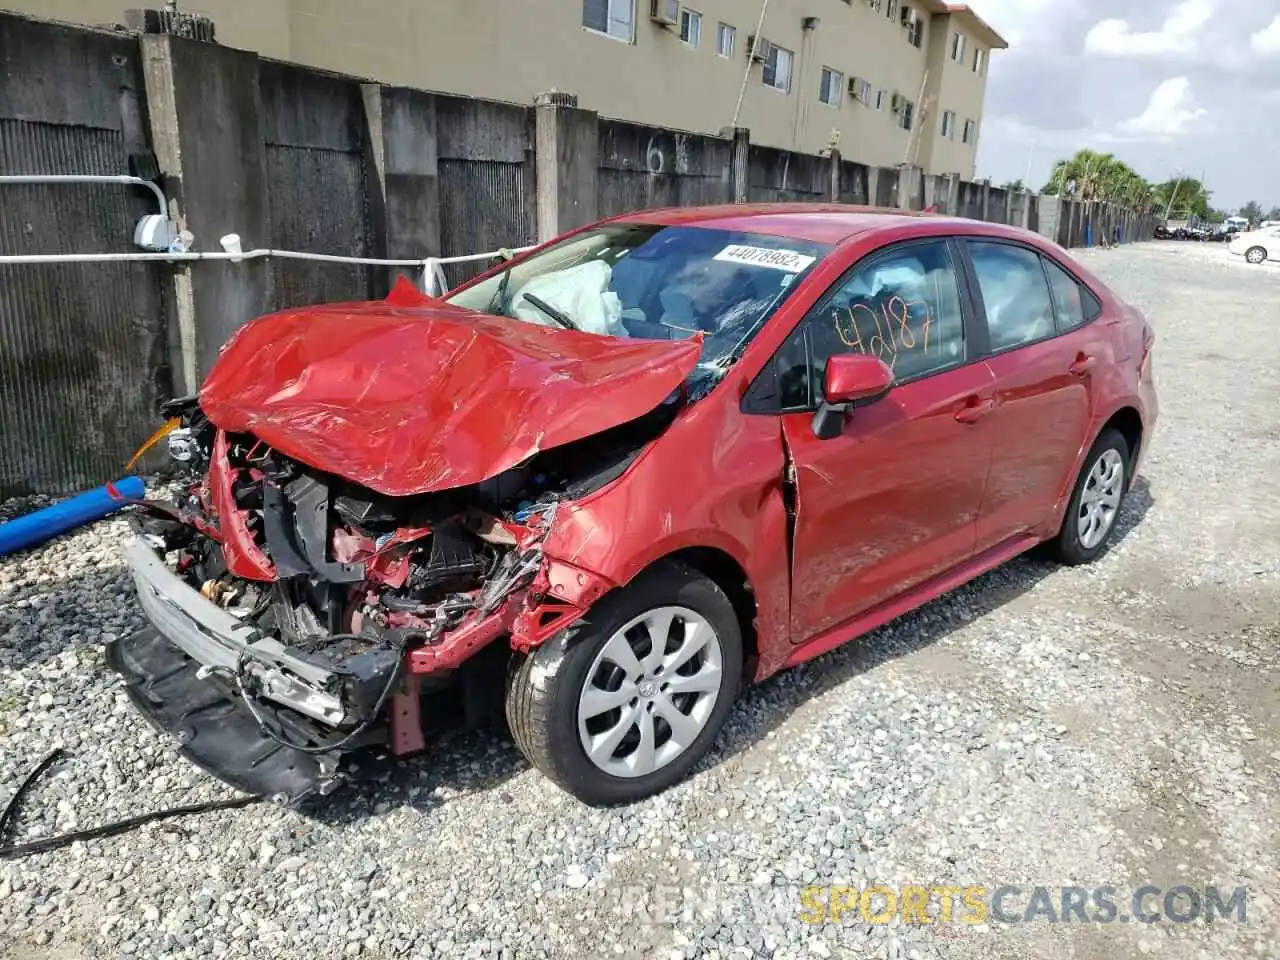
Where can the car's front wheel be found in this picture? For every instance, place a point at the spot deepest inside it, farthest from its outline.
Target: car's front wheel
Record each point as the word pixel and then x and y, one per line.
pixel 1095 501
pixel 623 705
pixel 1255 254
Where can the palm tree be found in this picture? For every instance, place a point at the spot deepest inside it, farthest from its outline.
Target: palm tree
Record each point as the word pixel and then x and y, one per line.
pixel 1183 197
pixel 1084 176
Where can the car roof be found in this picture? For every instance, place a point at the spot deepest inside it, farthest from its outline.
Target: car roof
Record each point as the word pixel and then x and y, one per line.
pixel 816 222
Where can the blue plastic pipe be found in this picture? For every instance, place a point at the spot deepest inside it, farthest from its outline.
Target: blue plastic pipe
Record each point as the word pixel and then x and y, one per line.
pixel 40 525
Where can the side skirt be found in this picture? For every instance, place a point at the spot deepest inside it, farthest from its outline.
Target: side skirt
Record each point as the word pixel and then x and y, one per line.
pixel 882 613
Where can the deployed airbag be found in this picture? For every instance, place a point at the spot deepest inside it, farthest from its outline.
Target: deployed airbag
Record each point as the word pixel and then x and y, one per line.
pixel 581 293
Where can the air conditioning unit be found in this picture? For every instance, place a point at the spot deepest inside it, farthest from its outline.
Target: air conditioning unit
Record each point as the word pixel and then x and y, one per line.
pixel 758 48
pixel 898 103
pixel 665 12
pixel 909 16
pixel 855 87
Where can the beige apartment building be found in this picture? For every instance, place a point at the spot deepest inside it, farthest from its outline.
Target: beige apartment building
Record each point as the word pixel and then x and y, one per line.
pixel 888 81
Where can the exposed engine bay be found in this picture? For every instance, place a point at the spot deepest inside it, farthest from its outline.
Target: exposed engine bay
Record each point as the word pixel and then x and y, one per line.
pixel 350 602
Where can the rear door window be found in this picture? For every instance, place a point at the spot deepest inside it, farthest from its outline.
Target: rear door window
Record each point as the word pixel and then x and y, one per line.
pixel 1067 297
pixel 1074 303
pixel 1014 292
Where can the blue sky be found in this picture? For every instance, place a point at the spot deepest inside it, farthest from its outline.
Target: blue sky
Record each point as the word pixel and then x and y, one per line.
pixel 1168 86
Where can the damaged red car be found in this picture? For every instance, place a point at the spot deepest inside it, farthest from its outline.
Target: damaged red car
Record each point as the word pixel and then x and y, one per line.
pixel 603 486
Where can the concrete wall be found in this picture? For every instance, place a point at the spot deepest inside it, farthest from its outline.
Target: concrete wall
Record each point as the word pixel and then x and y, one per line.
pixel 642 166
pixel 486 178
pixel 652 77
pixel 297 158
pixel 315 157
pixel 779 176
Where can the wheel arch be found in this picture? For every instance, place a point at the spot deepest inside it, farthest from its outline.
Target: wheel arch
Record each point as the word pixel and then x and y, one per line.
pixel 727 573
pixel 1128 423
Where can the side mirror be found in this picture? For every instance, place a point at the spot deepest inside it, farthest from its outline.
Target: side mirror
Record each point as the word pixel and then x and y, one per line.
pixel 850 380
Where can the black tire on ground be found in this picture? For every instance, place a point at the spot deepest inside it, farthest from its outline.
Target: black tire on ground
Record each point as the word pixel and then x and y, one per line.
pixel 1067 548
pixel 1255 254
pixel 543 687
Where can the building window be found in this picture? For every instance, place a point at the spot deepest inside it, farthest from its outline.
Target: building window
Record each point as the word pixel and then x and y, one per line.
pixel 615 18
pixel 957 47
pixel 829 89
pixel 691 27
pixel 970 132
pixel 777 68
pixel 979 61
pixel 726 40
pixel 891 9
pixel 880 95
pixel 949 124
pixel 906 114
pixel 915 32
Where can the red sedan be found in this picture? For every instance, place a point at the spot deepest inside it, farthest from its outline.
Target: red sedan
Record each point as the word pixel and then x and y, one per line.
pixel 615 480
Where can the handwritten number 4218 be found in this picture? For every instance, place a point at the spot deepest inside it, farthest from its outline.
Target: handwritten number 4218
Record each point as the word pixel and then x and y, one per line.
pixel 891 325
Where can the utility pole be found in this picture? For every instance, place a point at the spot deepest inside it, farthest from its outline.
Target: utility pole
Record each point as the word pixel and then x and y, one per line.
pixel 746 74
pixel 913 140
pixel 1177 185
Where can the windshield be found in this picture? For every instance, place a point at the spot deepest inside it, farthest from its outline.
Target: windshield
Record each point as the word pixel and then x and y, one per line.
pixel 653 282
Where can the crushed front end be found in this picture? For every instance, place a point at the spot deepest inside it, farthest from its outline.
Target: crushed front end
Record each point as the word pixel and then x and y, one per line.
pixel 299 621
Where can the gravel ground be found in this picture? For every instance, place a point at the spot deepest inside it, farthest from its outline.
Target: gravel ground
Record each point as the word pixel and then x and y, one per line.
pixel 1115 724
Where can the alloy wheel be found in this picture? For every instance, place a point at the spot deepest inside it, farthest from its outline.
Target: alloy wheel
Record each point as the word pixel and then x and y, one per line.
pixel 1100 499
pixel 650 691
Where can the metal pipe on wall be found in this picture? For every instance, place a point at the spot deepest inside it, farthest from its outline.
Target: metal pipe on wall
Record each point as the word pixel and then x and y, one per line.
pixel 52 178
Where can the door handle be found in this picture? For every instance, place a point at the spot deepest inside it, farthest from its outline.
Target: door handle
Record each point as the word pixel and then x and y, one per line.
pixel 1082 364
pixel 974 409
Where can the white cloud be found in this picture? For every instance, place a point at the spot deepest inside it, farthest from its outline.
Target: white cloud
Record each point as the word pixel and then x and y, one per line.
pixel 1016 20
pixel 1042 103
pixel 1267 40
pixel 1177 35
pixel 1170 112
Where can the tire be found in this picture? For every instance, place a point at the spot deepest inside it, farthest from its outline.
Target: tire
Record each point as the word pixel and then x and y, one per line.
pixel 546 688
pixel 1074 545
pixel 1256 254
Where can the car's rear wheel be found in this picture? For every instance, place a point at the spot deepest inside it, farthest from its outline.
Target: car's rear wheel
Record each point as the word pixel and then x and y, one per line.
pixel 1095 501
pixel 1256 254
pixel 624 704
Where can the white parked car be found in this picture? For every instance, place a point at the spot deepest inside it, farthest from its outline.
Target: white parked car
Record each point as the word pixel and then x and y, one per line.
pixel 1257 246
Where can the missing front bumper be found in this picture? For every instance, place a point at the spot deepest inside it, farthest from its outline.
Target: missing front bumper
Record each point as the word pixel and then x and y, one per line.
pixel 215 729
pixel 214 638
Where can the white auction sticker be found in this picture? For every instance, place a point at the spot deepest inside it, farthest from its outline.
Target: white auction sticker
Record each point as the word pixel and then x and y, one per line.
pixel 791 261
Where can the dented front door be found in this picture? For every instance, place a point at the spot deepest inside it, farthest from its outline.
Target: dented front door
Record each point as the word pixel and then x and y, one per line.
pixel 892 500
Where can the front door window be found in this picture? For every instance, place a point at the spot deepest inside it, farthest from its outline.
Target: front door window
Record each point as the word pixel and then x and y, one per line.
pixel 903 306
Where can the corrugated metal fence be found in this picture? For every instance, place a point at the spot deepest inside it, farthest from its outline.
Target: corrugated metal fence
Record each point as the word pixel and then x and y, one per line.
pixel 81 345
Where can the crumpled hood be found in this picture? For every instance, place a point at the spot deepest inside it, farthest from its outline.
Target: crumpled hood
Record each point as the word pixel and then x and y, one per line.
pixel 411 395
